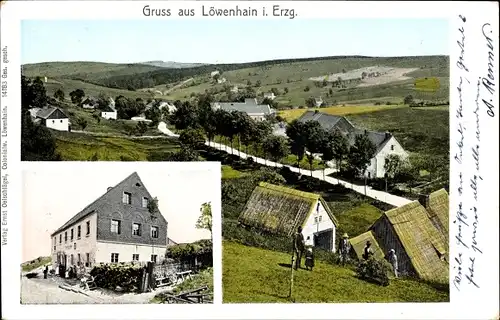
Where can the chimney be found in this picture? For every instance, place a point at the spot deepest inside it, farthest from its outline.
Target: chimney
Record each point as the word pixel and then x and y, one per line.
pixel 424 200
pixel 109 188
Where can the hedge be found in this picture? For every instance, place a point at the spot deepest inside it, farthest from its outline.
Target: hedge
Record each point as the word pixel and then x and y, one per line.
pixel 126 276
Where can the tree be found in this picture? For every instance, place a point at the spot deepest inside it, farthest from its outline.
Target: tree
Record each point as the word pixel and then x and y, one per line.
pixel 360 154
pixel 205 219
pixel 315 139
pixel 257 83
pixel 392 166
pixel 192 138
pixel 340 148
pixel 285 90
pixel 153 114
pixel 184 154
pixel 82 122
pixel 102 101
pixel 242 123
pixel 327 154
pixel 186 116
pixel 37 142
pixel 38 93
pixel 248 132
pixel 263 129
pixel 141 127
pixel 408 99
pixel 59 95
pixel 296 134
pixel 206 116
pixel 307 88
pixel 310 102
pixel 77 96
pixel 276 147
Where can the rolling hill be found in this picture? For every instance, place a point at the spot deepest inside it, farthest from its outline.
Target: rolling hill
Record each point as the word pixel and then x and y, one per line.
pixel 172 64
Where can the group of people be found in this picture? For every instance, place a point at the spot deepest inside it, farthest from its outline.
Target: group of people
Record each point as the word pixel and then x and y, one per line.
pixel 300 246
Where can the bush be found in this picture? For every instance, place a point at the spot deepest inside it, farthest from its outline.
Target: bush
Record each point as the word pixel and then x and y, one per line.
pixel 377 103
pixel 374 271
pixel 110 276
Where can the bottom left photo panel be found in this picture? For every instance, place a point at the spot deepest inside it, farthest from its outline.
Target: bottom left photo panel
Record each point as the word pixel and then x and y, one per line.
pixel 118 233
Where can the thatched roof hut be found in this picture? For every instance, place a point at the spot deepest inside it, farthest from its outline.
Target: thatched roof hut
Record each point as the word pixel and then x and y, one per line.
pixel 439 211
pixel 281 210
pixel 358 244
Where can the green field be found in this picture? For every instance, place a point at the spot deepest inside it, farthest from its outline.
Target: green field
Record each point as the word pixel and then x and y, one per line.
pixel 36 263
pixel 81 147
pixel 252 275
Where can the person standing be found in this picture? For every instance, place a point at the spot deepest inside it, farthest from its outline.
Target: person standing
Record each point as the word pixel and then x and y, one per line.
pixel 45 272
pixel 298 247
pixel 367 251
pixel 344 249
pixel 393 259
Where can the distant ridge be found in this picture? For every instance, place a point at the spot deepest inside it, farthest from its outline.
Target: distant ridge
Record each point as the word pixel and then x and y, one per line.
pixel 172 64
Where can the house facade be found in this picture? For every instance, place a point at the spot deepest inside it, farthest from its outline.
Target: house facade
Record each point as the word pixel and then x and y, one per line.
pixel 257 112
pixel 280 210
pixel 117 227
pixel 51 117
pixel 385 143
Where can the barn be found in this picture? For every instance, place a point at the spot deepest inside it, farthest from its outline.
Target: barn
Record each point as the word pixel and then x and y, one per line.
pixel 417 232
pixel 281 210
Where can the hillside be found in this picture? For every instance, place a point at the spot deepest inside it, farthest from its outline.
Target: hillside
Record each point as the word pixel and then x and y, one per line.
pixel 255 275
pixel 35 263
pixel 172 64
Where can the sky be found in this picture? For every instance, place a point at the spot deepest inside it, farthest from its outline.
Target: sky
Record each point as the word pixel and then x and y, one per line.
pixel 54 193
pixel 228 40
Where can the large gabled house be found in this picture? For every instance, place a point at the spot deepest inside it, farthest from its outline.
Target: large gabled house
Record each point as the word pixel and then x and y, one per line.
pixel 116 227
pixel 385 143
pixel 51 117
pixel 254 110
pixel 416 232
pixel 281 210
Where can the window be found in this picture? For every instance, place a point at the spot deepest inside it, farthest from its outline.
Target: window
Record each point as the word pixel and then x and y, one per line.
pixel 72 234
pixel 319 219
pixel 315 219
pixel 79 232
pixel 392 147
pixel 115 226
pixel 154 232
pixel 145 202
pixel 72 260
pixel 60 238
pixel 136 229
pixel 114 257
pixel 66 236
pixel 55 241
pixel 79 260
pixel 61 121
pixel 135 257
pixel 53 121
pixel 87 258
pixel 74 245
pixel 127 198
pixel 88 227
pixel 154 258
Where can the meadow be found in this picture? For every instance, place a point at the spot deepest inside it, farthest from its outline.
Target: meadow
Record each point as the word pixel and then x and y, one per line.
pixel 254 275
pixel 81 147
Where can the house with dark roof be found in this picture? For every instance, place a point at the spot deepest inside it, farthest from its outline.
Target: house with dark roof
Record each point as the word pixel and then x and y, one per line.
pixel 385 143
pixel 117 227
pixel 51 117
pixel 109 112
pixel 415 232
pixel 281 210
pixel 254 110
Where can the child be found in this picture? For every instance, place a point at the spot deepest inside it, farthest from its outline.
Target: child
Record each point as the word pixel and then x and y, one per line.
pixel 309 259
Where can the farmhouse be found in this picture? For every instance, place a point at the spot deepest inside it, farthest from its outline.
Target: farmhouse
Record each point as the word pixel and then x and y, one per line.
pixel 254 110
pixel 161 105
pixel 51 117
pixel 385 143
pixel 318 102
pixel 89 103
pixel 269 95
pixel 109 112
pixel 415 231
pixel 280 210
pixel 117 227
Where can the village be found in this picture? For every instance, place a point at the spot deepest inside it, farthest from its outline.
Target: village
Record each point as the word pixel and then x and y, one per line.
pixel 334 169
pixel 118 249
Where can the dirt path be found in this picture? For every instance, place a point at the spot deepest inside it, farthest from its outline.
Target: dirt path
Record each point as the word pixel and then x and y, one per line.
pixel 177 86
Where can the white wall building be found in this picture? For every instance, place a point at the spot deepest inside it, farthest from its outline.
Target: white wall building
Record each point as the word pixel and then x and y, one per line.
pixel 51 117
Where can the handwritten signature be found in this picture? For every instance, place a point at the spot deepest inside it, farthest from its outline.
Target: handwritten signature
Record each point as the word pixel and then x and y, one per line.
pixel 488 81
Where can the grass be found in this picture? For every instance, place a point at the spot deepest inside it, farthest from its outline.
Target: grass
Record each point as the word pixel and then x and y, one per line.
pixel 357 220
pixel 292 114
pixel 81 147
pixel 36 263
pixel 252 275
pixel 229 173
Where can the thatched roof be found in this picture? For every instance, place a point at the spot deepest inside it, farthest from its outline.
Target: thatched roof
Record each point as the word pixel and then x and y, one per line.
pixel 439 211
pixel 358 244
pixel 279 209
pixel 423 243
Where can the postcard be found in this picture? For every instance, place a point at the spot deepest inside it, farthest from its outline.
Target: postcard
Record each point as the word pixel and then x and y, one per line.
pixel 257 159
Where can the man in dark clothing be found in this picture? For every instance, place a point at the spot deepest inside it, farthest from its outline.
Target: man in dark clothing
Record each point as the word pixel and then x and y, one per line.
pixel 298 247
pixel 367 251
pixel 45 272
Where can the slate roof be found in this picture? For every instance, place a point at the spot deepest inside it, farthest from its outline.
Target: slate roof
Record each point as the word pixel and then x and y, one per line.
pixel 279 209
pixel 44 113
pixel 91 208
pixel 247 107
pixel 330 122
